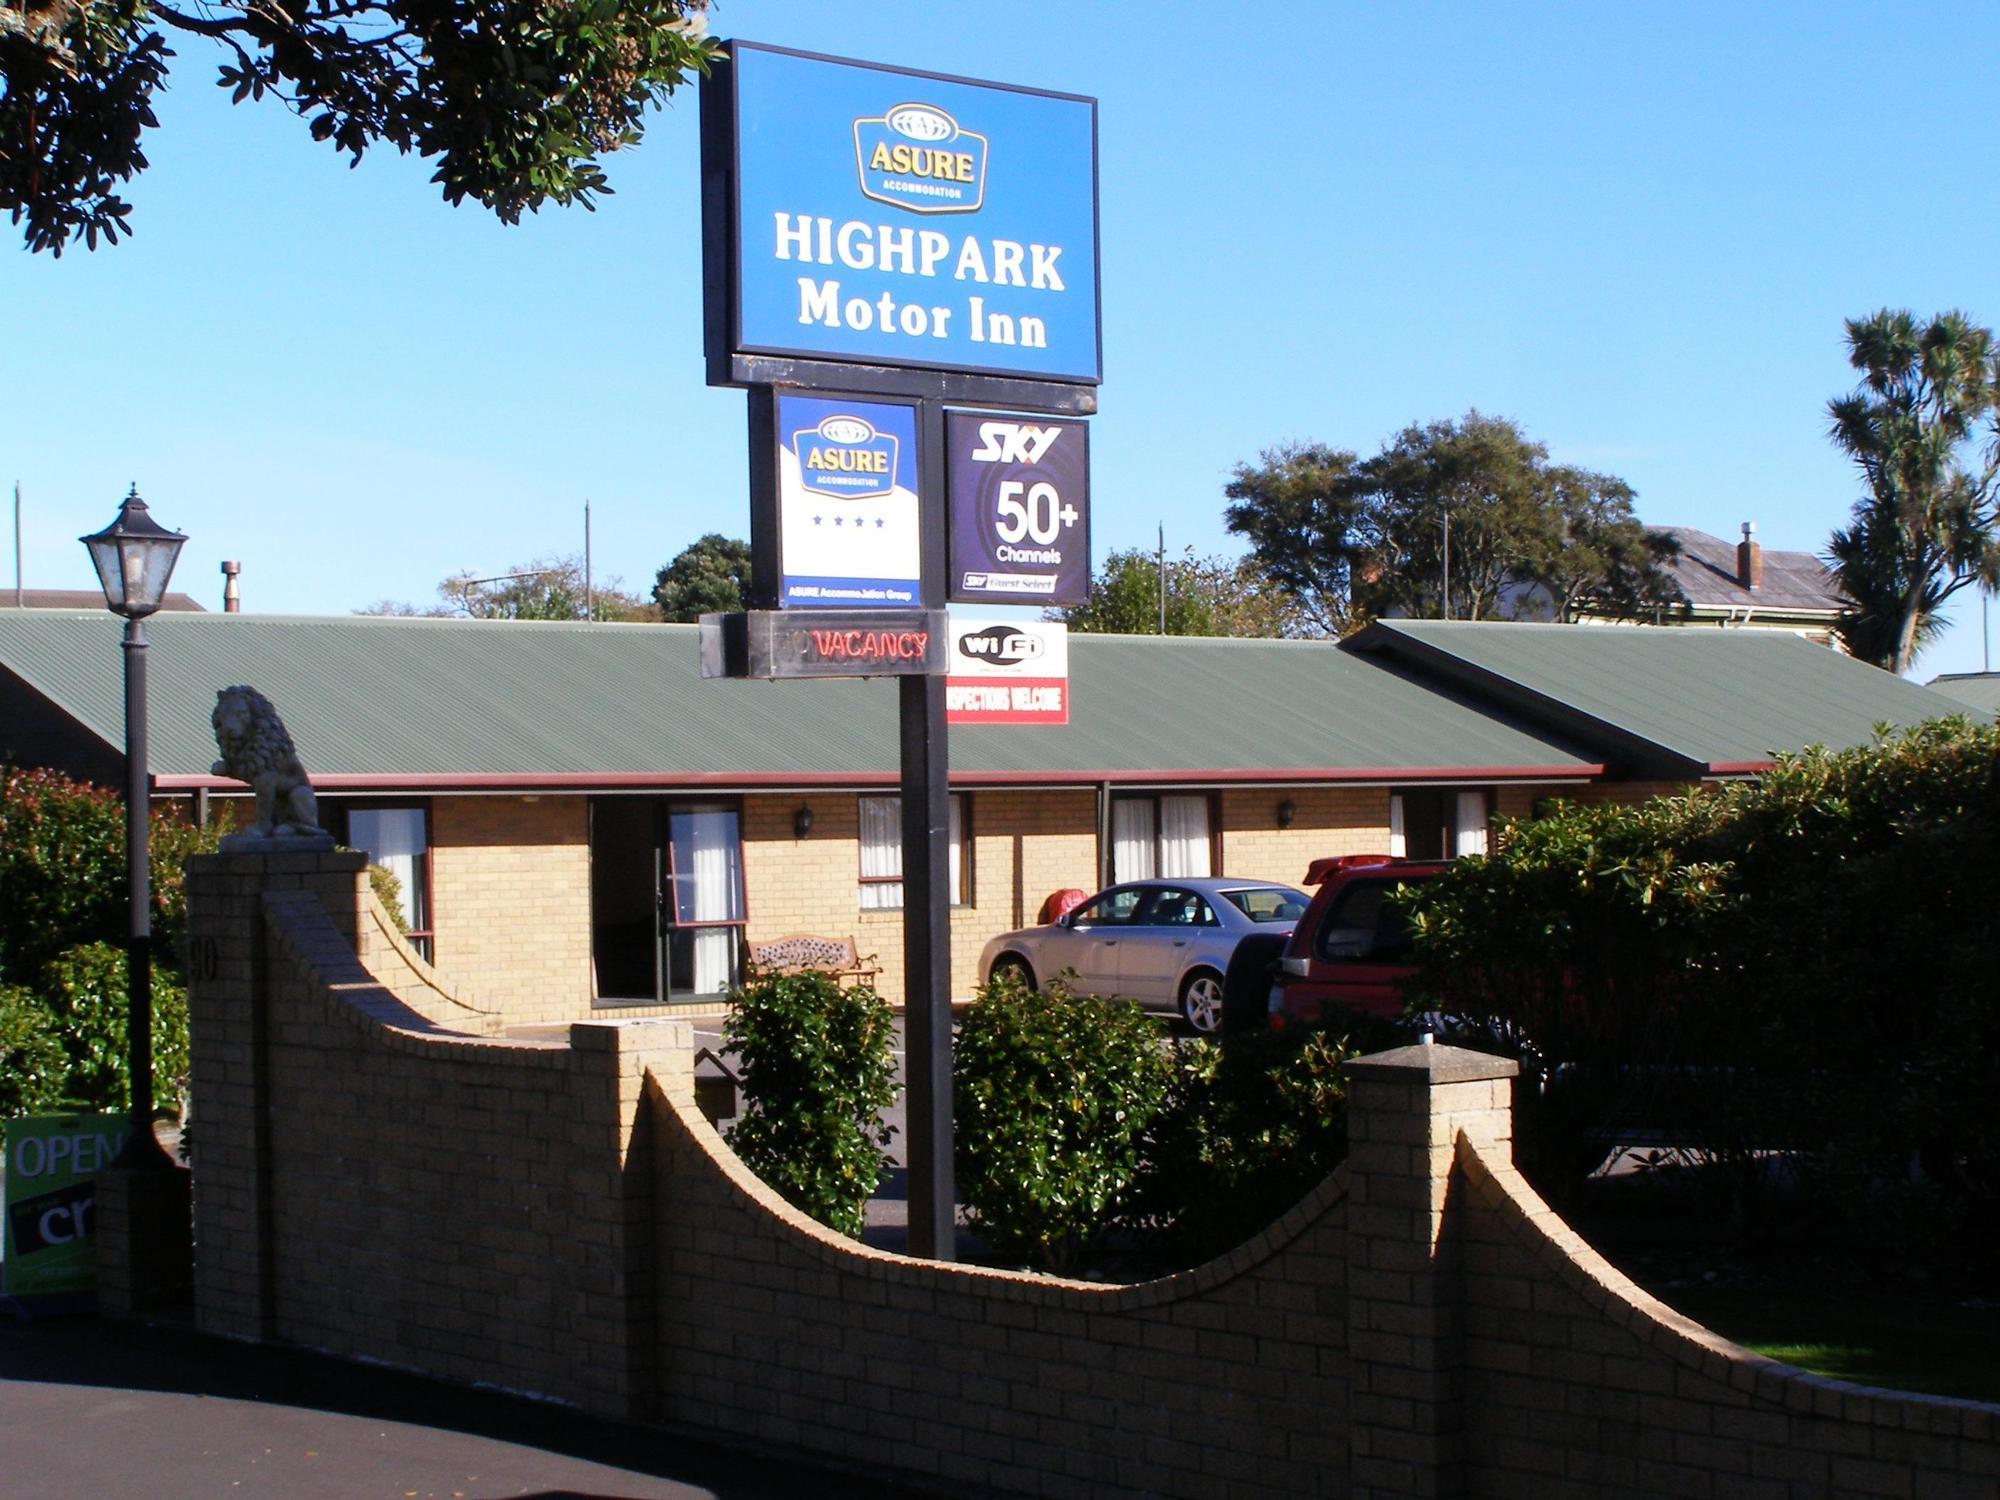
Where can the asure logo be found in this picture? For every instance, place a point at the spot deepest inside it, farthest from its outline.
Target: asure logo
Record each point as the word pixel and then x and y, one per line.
pixel 917 158
pixel 1001 645
pixel 845 458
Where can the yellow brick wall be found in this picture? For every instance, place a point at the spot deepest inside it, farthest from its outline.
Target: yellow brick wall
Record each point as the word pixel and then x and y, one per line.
pixel 558 1217
pixel 511 875
pixel 1327 821
pixel 1024 845
pixel 510 890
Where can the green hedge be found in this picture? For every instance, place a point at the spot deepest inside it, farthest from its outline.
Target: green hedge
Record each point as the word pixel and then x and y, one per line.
pixel 817 1067
pixel 1803 965
pixel 1053 1094
pixel 1250 1126
pixel 63 925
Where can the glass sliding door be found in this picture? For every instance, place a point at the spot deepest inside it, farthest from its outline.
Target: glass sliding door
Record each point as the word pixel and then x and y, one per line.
pixel 666 899
pixel 707 911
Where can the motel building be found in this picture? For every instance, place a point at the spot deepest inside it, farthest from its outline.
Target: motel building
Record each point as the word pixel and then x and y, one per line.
pixel 582 825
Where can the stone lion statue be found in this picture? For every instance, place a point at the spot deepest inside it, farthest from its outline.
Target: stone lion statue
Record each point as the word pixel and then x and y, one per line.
pixel 256 749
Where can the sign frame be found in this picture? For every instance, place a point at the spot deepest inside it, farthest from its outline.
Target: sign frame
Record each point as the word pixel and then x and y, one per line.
pixel 733 362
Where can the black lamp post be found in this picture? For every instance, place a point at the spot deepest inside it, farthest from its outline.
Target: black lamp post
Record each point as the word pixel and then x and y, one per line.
pixel 135 557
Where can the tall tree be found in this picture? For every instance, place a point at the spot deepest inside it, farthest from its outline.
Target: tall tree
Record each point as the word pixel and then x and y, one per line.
pixel 547 588
pixel 1301 514
pixel 1351 539
pixel 1204 596
pixel 1602 561
pixel 516 99
pixel 712 574
pixel 1125 598
pixel 1925 529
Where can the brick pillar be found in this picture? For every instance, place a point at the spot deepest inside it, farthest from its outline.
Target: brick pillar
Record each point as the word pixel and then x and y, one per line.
pixel 229 1078
pixel 141 1239
pixel 1404 1292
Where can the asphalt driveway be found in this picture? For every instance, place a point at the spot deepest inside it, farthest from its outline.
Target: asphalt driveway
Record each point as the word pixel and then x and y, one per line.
pixel 118 1411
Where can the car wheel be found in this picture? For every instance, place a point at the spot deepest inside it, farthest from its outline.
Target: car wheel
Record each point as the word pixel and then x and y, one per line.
pixel 1014 968
pixel 1201 1001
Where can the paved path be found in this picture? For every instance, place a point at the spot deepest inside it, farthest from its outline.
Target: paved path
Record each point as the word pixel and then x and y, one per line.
pixel 114 1411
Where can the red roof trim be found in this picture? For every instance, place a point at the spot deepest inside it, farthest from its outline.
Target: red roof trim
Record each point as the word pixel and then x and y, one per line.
pixel 1738 767
pixel 582 781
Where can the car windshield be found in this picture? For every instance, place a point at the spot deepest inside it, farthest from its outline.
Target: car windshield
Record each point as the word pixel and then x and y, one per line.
pixel 1267 903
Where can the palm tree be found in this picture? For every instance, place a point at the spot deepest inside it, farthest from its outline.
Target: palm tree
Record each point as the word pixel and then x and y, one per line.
pixel 1925 529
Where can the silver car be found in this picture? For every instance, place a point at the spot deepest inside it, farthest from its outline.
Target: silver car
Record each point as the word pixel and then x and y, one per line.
pixel 1163 943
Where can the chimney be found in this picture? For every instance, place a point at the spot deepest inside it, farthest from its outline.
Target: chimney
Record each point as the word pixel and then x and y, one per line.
pixel 1749 558
pixel 231 604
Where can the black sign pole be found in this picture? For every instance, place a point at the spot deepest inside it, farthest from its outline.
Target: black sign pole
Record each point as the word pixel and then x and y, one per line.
pixel 927 895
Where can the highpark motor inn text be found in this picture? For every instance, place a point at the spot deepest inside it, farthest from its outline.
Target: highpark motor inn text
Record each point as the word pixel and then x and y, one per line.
pixel 861 246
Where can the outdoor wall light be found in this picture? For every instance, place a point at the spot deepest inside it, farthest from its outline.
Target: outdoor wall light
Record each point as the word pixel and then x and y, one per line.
pixel 802 822
pixel 135 557
pixel 1288 810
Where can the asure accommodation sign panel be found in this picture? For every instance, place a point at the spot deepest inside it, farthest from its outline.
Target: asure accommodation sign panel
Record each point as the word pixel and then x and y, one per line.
pixel 883 217
pixel 848 516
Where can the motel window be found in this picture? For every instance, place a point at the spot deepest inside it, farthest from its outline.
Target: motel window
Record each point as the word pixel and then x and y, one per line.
pixel 1161 837
pixel 1438 823
pixel 882 853
pixel 396 836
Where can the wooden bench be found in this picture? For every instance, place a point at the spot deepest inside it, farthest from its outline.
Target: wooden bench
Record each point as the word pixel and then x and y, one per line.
pixel 788 955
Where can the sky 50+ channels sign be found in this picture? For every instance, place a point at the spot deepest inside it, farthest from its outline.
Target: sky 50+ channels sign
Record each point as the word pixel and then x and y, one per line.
pixel 877 216
pixel 1020 509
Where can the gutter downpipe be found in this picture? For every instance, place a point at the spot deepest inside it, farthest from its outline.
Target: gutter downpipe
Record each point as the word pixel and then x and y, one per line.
pixel 1103 834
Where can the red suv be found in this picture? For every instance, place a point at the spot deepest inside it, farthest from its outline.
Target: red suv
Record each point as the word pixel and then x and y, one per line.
pixel 1351 950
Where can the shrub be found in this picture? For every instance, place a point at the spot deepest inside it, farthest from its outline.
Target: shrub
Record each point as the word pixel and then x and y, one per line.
pixel 1806 960
pixel 62 871
pixel 33 1065
pixel 817 1068
pixel 1053 1093
pixel 85 994
pixel 1249 1128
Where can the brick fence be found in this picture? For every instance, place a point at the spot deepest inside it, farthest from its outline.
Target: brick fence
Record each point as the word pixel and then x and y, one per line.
pixel 558 1218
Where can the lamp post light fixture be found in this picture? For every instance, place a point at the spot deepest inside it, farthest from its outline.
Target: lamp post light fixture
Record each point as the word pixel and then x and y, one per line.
pixel 135 557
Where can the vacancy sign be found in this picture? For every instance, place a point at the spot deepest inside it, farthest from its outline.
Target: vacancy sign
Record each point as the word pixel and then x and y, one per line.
pixel 1006 671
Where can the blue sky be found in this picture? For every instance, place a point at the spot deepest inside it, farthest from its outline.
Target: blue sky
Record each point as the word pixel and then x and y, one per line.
pixel 1635 230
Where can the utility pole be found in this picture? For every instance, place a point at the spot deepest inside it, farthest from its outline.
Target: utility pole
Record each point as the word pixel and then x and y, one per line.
pixel 1163 578
pixel 19 601
pixel 1447 565
pixel 589 598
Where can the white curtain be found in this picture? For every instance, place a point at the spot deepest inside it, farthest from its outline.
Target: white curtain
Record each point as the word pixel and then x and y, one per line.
pixel 881 853
pixel 1397 845
pixel 709 872
pixel 956 825
pixel 1470 832
pixel 1132 838
pixel 1183 837
pixel 393 837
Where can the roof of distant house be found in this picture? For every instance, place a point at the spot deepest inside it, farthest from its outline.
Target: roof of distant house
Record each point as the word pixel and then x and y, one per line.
pixel 87 599
pixel 1794 582
pixel 1980 690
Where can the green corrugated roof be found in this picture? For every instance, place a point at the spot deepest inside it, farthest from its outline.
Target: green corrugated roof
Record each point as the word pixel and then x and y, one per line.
pixel 444 698
pixel 1707 697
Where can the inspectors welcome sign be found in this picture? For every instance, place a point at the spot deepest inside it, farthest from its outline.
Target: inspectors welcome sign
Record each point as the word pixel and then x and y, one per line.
pixel 884 217
pixel 1007 671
